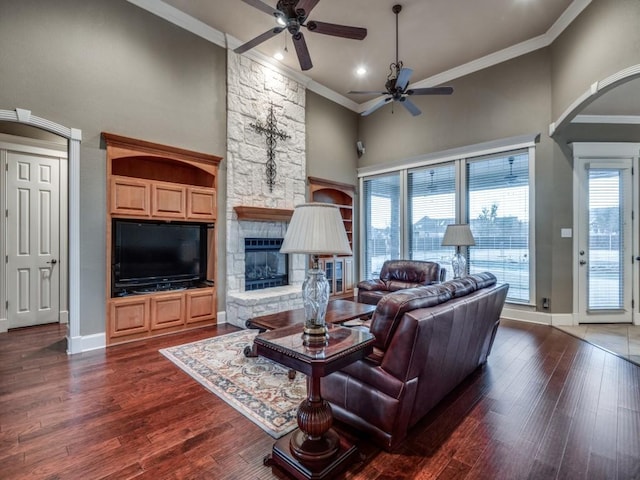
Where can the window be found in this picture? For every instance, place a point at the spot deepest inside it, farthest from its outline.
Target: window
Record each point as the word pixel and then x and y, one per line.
pixel 432 206
pixel 498 214
pixel 381 215
pixel 406 209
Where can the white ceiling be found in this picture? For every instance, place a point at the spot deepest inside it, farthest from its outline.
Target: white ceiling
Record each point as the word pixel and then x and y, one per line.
pixel 439 39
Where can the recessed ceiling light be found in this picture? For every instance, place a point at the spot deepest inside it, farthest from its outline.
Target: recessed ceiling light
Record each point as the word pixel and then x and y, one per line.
pixel 279 56
pixel 361 71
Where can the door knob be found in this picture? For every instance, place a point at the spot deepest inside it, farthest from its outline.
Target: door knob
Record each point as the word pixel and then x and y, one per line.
pixel 583 262
pixel 638 259
pixel 53 261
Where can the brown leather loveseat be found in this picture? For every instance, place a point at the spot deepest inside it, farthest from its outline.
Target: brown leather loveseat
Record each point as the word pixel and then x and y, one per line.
pixel 428 340
pixel 397 275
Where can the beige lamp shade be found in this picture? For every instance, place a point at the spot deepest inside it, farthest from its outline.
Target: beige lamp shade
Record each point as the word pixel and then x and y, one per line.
pixel 458 235
pixel 316 229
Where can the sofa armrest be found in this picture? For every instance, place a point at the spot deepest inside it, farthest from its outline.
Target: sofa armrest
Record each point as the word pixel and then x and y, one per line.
pixel 372 285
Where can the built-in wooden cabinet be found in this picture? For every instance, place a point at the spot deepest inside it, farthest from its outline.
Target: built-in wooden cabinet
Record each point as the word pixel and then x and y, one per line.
pixel 339 269
pixel 148 181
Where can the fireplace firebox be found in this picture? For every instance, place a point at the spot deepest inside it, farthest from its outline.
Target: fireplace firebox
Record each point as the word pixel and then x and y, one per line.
pixel 265 266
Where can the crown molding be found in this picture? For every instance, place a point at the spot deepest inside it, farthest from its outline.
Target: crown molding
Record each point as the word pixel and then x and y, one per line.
pixel 191 24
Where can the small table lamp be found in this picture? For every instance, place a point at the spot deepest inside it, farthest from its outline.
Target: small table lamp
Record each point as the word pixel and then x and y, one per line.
pixel 458 235
pixel 316 229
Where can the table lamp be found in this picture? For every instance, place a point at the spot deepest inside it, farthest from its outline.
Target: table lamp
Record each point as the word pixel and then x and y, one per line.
pixel 316 229
pixel 458 235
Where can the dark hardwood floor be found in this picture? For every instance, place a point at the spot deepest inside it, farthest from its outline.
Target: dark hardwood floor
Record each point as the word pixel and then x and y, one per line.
pixel 546 405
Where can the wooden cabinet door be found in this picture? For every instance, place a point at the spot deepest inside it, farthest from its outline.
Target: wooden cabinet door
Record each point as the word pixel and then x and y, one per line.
pixel 201 305
pixel 128 316
pixel 168 201
pixel 201 203
pixel 167 310
pixel 130 196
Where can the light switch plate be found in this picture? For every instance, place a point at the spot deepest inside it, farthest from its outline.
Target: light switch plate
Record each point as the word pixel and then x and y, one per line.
pixel 566 232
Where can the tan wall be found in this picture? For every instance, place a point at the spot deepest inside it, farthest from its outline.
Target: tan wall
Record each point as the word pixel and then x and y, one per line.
pixel 110 66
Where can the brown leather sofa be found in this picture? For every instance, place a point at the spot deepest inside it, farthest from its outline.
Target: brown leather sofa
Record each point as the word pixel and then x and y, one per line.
pixel 397 275
pixel 428 340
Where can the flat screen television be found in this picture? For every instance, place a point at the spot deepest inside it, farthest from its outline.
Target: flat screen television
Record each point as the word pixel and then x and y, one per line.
pixel 154 255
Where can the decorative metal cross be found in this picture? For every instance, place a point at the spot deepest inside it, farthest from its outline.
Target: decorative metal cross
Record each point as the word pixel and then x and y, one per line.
pixel 271 131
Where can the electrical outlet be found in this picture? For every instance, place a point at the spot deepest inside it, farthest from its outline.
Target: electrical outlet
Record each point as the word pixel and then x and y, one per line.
pixel 545 303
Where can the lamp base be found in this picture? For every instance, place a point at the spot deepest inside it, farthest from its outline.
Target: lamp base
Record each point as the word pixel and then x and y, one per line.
pixel 459 265
pixel 315 335
pixel 315 297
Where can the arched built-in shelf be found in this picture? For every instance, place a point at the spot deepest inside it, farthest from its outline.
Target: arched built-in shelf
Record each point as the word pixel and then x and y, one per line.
pixel 149 181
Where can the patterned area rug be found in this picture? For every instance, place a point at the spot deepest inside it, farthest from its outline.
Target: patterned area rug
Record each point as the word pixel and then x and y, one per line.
pixel 258 388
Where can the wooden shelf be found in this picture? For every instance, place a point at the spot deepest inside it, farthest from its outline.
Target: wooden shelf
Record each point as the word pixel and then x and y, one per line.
pixel 263 214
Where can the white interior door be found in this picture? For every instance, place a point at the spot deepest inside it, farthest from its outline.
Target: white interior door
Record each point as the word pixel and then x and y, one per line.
pixel 33 240
pixel 605 241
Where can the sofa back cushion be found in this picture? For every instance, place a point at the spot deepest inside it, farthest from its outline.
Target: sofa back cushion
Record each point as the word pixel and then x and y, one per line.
pixel 399 273
pixel 393 306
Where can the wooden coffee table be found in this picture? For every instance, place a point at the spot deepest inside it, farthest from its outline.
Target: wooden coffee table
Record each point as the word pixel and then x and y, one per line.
pixel 314 451
pixel 338 312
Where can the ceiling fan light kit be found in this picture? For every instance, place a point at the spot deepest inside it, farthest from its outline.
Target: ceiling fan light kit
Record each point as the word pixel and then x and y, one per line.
pixel 397 83
pixel 292 15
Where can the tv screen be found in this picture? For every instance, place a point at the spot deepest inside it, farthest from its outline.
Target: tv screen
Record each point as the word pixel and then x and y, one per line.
pixel 148 253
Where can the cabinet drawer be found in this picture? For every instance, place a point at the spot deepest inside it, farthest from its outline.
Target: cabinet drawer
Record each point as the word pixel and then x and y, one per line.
pixel 201 203
pixel 168 201
pixel 167 311
pixel 129 316
pixel 130 197
pixel 201 305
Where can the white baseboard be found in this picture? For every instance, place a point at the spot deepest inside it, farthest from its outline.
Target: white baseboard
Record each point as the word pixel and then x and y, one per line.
pixel 86 343
pixel 525 315
pixel 4 325
pixel 563 320
pixel 221 317
pixel 64 317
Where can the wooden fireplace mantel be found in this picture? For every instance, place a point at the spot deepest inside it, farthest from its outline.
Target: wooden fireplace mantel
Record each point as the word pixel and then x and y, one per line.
pixel 264 214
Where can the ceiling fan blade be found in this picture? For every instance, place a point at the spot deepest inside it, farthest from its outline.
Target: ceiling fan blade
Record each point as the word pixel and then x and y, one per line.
pixel 302 51
pixel 410 106
pixel 367 92
pixel 268 9
pixel 344 31
pixel 430 91
pixel 382 102
pixel 403 78
pixel 258 40
pixel 304 7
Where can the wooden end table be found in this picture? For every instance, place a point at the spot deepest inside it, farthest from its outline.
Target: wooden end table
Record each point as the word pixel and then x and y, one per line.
pixel 338 311
pixel 314 450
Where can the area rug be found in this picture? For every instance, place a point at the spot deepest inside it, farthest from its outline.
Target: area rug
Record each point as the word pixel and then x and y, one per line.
pixel 258 388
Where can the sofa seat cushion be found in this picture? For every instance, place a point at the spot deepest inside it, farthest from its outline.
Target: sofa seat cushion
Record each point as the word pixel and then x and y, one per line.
pixel 393 306
pixel 371 297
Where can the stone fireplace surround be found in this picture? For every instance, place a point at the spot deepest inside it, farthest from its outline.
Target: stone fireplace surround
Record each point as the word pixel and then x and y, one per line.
pixel 252 89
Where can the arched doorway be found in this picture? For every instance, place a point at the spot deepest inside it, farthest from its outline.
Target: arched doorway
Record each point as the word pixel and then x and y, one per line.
pixel 74 137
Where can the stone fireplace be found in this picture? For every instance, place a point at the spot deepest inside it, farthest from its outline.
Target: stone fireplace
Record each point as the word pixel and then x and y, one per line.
pixel 252 89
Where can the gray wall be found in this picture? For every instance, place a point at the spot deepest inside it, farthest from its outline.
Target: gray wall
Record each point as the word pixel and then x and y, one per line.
pixel 109 66
pixel 509 99
pixel 332 132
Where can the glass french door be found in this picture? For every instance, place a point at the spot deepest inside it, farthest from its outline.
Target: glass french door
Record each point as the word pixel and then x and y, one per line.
pixel 605 242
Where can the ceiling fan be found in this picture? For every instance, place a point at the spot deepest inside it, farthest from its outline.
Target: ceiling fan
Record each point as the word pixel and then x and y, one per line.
pixel 397 82
pixel 291 15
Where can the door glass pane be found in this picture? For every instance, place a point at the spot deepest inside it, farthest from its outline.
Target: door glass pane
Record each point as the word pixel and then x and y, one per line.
pixel 432 206
pixel 606 244
pixel 381 214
